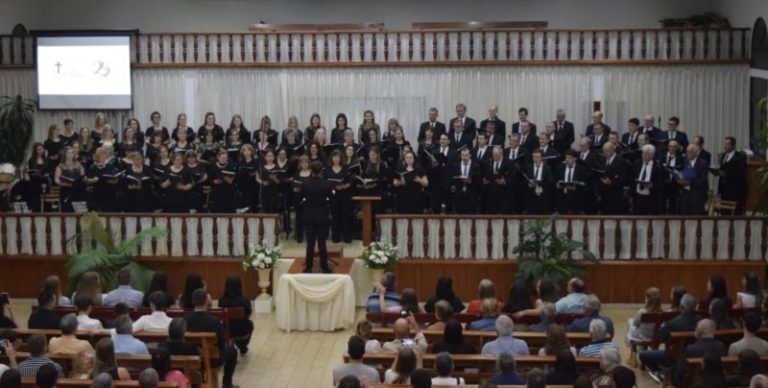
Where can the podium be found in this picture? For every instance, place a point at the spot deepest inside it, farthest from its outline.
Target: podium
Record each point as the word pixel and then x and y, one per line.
pixel 367 207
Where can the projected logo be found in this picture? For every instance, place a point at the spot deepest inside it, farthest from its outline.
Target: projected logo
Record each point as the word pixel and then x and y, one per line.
pixel 100 69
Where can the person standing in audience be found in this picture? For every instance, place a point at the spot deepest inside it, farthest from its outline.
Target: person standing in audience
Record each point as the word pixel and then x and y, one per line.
pixel 386 289
pixel 338 176
pixel 241 328
pixel 405 363
pixel 202 321
pixel 44 317
pixel 355 367
pixel 591 312
pixel 444 368
pixel 158 321
pixel 601 339
pixel 124 341
pixel 192 283
pixel 573 303
pixel 639 331
pixel 176 344
pixel 716 289
pixel 556 342
pixel 37 357
pixel 437 127
pixel 444 291
pixel 453 340
pixel 565 372
pixel 693 184
pixel 124 293
pixel 68 343
pixel 732 184
pixel 505 342
pixel 597 120
pixel 84 306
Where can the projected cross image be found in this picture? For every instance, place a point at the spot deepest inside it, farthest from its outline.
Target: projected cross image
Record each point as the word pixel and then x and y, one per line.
pixel 101 69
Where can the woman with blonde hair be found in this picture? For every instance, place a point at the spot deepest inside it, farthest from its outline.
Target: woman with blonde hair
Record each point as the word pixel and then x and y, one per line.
pixel 365 329
pixel 292 126
pixel 53 284
pixel 82 365
pixel 486 289
pixel 443 313
pixel 643 332
pixel 69 176
pixel 90 286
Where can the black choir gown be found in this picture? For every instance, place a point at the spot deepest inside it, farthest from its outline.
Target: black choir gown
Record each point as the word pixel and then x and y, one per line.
pixel 298 182
pixel 177 201
pixel 124 149
pixel 286 190
pixel 197 173
pixel 149 133
pixel 341 205
pixel 104 193
pixel 75 193
pixel 39 182
pixel 247 188
pixel 53 148
pixel 374 182
pixel 138 191
pixel 410 198
pixel 159 172
pixel 270 190
pixel 222 192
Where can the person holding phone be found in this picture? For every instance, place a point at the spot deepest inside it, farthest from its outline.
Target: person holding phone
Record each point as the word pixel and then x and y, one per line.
pixel 402 330
pixel 6 321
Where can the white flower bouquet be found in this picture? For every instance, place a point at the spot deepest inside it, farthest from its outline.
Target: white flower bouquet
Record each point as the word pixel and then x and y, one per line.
pixel 260 256
pixel 380 255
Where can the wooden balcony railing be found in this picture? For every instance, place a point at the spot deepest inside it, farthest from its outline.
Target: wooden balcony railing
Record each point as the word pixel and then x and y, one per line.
pixel 624 238
pixel 422 47
pixel 189 235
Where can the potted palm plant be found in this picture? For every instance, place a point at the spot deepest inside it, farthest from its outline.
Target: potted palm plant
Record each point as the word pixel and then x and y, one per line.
pixel 16 126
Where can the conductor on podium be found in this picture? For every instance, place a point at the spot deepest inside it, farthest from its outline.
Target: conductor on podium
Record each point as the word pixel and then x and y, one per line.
pixel 315 195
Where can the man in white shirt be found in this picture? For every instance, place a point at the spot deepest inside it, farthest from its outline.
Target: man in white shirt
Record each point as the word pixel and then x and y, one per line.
pixel 444 367
pixel 124 293
pixel 84 306
pixel 158 321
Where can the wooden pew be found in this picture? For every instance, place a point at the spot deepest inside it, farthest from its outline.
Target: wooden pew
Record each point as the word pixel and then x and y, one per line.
pixel 465 386
pixel 388 319
pixel 678 340
pixel 72 383
pixel 730 365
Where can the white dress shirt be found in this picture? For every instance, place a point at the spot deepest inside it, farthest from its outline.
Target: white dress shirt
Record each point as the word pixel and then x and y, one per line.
pixel 157 322
pixel 85 322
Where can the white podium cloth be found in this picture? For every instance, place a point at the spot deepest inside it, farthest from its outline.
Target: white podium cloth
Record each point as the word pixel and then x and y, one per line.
pixel 315 302
pixel 360 277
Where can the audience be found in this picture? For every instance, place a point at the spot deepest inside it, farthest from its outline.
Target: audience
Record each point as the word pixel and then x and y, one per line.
pixel 10 379
pixel 406 362
pixel 444 368
pixel 591 312
pixel 176 344
pixel 712 375
pixel 241 329
pixel 161 363
pixel 7 322
pixel 643 332
pixel 490 308
pixel 443 313
pixel 355 366
pixel 519 299
pixel 409 302
pixel 89 285
pixel 718 313
pixel 759 381
pixel 686 320
pixel 547 293
pixel 565 372
pixel 444 291
pixel 486 290
pixel 505 342
pixel 106 361
pixel 124 293
pixel 536 379
pixel 202 321
pixel 573 303
pixel 600 339
pixel 716 289
pixel 386 291
pixel 44 317
pixel 68 343
pixel 102 380
pixel 9 350
pixel 158 321
pixel 349 382
pixel 749 366
pixel 705 343
pixel 750 340
pixel 420 378
pixel 364 329
pixel 556 342
pixel 546 318
pixel 53 284
pixel 84 306
pixel 124 341
pixel 159 282
pixel 453 340
pixel 752 296
pixel 506 370
pixel 37 357
pixel 82 365
pixel 148 378
pixel 47 376
pixel 193 283
pixel 402 330
pixel 676 295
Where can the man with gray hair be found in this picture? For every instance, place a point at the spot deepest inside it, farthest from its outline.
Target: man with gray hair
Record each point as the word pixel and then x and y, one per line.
pixel 125 342
pixel 148 378
pixel 609 359
pixel 444 368
pixel 500 127
pixel 437 127
pixel 68 343
pixel 705 343
pixel 600 340
pixel 693 183
pixel 650 176
pixel 505 367
pixel 546 318
pixel 391 298
pixel 102 380
pixel 591 312
pixel 470 127
pixel 564 133
pixel 504 342
pixel 573 303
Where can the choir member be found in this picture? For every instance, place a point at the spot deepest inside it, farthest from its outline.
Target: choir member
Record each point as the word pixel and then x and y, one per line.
pixel 107 138
pixel 349 140
pixel 341 199
pixel 482 152
pixel 153 147
pixel 548 153
pixel 409 182
pixel 528 139
pixel 222 177
pixel 673 134
pixel 374 180
pixel 649 177
pixel 78 149
pixel 437 127
pixel 693 183
pixel 130 143
pixel 337 133
pixel 466 184
pixel 499 126
pixel 539 178
pixel 292 145
pixel 703 154
pixel 564 133
pixel 300 178
pixel 353 160
pixel 611 176
pixel 53 144
pixel 209 125
pixel 650 129
pixel 138 133
pixel 392 124
pixel 493 137
pixel 672 162
pixel 292 126
pixel 497 196
pixel 69 135
pixel 183 143
pixel 177 183
pixel 99 126
pixel 314 125
pixel 198 174
pixel 466 123
pixel 157 127
pixel 597 137
pixel 39 172
pixel 159 171
pixel 440 176
pixel 427 147
pixel 208 148
pixel 69 176
pixel 235 143
pixel 265 126
pixel 261 143
pixel 369 124
pixel 571 181
pixel 138 186
pixel 397 147
pixel 287 167
pixel 518 158
pixel 597 118
pixel 732 185
pixel 629 139
pixel 315 153
pixel 459 138
pixel 245 180
pixel 87 146
pixel 181 126
pixel 589 159
pixel 236 125
pixel 269 179
pixel 104 178
pixel 522 115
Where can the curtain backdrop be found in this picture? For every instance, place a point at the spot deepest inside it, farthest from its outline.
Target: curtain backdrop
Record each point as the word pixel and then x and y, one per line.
pixel 710 99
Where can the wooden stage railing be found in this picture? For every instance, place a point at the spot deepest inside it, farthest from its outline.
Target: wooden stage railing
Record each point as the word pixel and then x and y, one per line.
pixel 430 47
pixel 189 235
pixel 609 237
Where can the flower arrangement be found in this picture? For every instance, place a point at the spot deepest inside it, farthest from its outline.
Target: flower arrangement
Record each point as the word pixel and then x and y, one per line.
pixel 260 256
pixel 380 255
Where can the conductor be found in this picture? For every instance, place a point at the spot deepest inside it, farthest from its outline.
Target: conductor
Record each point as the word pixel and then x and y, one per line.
pixel 315 194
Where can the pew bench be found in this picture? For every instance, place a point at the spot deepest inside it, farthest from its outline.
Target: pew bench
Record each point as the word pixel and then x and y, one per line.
pixel 730 366
pixel 388 319
pixel 73 383
pixel 679 340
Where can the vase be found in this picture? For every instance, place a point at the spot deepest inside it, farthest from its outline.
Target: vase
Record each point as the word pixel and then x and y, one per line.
pixel 376 275
pixel 264 281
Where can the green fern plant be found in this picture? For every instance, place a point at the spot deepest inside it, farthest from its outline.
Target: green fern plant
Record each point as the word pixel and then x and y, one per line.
pixel 100 253
pixel 16 126
pixel 544 254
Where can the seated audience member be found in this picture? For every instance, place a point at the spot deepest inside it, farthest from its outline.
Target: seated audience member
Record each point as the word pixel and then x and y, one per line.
pixel 349 382
pixel 421 378
pixel 47 376
pixel 7 322
pixel 504 342
pixel 102 380
pixel 486 290
pixel 573 303
pixel 556 342
pixel 176 344
pixel 117 311
pixel 565 372
pixel 89 285
pixel 547 293
pixel 444 291
pixel 158 321
pixel 124 341
pixel 364 329
pixel 161 363
pixel 716 289
pixel 506 371
pixel 759 381
pixel 402 330
pixel 602 381
pixel 37 350
pixel 106 361
pixel 148 378
pixel 546 318
pixel 718 313
pixel 202 321
pixel 239 328
pixel 192 283
pixel 443 313
pixel 44 317
pixel 752 295
pixel 453 340
pixel 9 350
pixel 600 339
pixel 750 340
pixel 624 377
pixel 490 313
pixel 406 362
pixel 444 368
pixel 643 332
pixel 68 343
pixel 387 287
pixel 609 359
pixel 10 379
pixel 519 299
pixel 537 379
pixel 712 375
pixel 84 306
pixel 124 293
pixel 749 366
pixel 409 302
pixel 82 366
pixel 355 366
pixel 159 282
pixel 53 284
pixel 705 343
pixel 676 295
pixel 591 312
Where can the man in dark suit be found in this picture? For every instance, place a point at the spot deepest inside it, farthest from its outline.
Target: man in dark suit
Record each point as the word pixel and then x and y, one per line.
pixel 500 127
pixel 732 185
pixel 704 155
pixel 440 176
pixel 564 135
pixel 528 139
pixel 315 194
pixel 494 138
pixel 672 161
pixel 522 115
pixel 672 134
pixel 200 321
pixel 466 184
pixel 611 179
pixel 538 177
pixel 518 158
pixel 705 344
pixel 597 118
pixel 44 317
pixel 571 181
pixel 459 137
pixel 497 196
pixel 482 152
pixel 467 123
pixel 649 179
pixel 651 130
pixel 548 153
pixel 598 137
pixel 437 127
pixel 590 160
pixel 630 137
pixel 693 183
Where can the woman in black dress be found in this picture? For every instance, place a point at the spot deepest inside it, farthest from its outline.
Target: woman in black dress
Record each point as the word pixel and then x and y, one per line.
pixel 104 179
pixel 410 183
pixel 314 125
pixel 133 123
pixel 69 134
pixel 99 126
pixel 341 201
pixel 315 153
pixel 182 144
pixel 302 175
pixel 236 125
pixel 53 145
pixel 208 148
pixel 293 125
pixel 178 183
pixel 159 172
pixel 222 174
pixel 266 128
pixel 87 147
pixel 369 124
pixel 69 176
pixel 292 144
pixel 285 168
pixel 269 179
pixel 181 126
pixel 261 143
pixel 130 143
pixel 39 176
pixel 247 189
pixel 209 125
pixel 157 127
pixel 153 147
pixel 199 174
pixel 239 328
pixel 375 179
pixel 234 144
pixel 337 133
pixel 138 187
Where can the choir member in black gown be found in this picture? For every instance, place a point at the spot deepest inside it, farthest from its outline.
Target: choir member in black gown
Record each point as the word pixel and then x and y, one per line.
pixel 466 184
pixel 341 201
pixel 198 173
pixel 539 179
pixel 236 125
pixel 69 176
pixel 182 144
pixel 398 146
pixel 159 172
pixel 138 134
pixel 732 185
pixel 375 179
pixel 209 125
pixel 392 124
pixel 39 174
pixel 222 175
pixel 373 142
pixel 157 127
pixel 286 168
pixel 104 178
pixel 369 124
pixel 671 160
pixel 107 138
pixel 291 144
pixel 130 143
pixel 69 135
pixel 410 182
pixel 87 147
pixel 53 145
pixel 611 179
pixel 293 125
pixel 181 126
pixel 138 186
pixel 177 182
pixel 234 144
pixel 261 143
pixel 99 126
pixel 314 125
pixel 269 179
pixel 495 178
pixel 247 189
pixel 337 133
pixel 349 140
pixel 208 148
pixel 440 176
pixel 153 147
pixel 648 184
pixel 571 180
pixel 272 135
pixel 300 178
pixel 315 153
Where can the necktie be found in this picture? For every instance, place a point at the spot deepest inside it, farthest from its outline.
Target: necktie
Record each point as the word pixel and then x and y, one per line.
pixel 514 153
pixel 457 138
pixel 495 167
pixel 559 125
pixel 671 135
pixel 597 141
pixel 583 156
pixel 642 173
pixel 569 174
pixel 669 160
pixel 728 157
pixel 522 140
pixel 444 151
pixel 631 138
pixel 466 167
pixel 536 174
